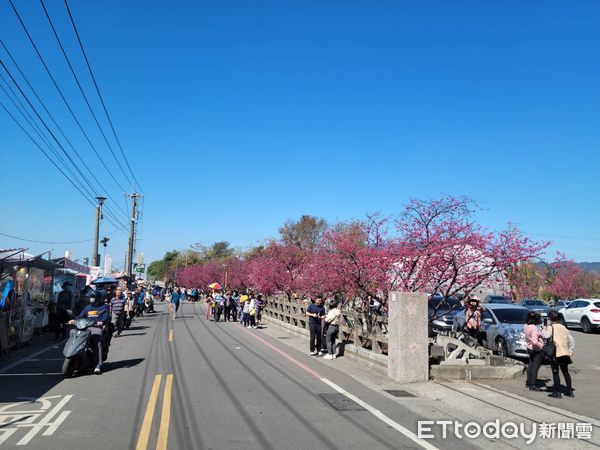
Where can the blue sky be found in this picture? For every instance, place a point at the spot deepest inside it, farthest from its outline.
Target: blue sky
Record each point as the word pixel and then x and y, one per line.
pixel 237 116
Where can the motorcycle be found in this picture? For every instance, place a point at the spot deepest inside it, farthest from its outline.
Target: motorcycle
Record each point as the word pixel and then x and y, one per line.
pixel 78 353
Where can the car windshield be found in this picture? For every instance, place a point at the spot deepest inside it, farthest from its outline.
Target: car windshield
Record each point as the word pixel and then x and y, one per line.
pixel 511 315
pixel 499 300
pixel 597 304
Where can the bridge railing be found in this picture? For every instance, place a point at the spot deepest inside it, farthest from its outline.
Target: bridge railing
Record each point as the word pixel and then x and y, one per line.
pixel 361 328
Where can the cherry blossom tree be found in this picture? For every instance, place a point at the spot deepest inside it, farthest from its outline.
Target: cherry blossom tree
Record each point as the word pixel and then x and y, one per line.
pixel 568 281
pixel 278 268
pixel 437 248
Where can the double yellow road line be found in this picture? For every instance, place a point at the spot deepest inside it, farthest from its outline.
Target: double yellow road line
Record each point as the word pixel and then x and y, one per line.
pixel 165 417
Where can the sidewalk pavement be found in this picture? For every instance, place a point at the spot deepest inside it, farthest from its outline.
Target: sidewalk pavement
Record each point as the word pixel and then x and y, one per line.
pixel 468 402
pixel 38 343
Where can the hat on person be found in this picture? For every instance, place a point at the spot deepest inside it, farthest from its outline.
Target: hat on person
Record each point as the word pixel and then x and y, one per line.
pixel 473 298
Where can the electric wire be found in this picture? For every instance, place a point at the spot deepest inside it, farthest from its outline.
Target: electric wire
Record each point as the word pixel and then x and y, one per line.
pixel 102 188
pixel 35 241
pixel 25 113
pixel 50 115
pixel 42 60
pixel 120 226
pixel 45 125
pixel 99 94
pixel 87 102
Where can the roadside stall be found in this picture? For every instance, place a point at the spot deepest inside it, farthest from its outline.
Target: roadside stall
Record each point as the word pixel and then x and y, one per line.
pixel 75 274
pixel 26 286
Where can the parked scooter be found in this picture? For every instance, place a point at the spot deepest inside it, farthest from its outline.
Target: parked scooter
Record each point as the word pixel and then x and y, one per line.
pixel 78 353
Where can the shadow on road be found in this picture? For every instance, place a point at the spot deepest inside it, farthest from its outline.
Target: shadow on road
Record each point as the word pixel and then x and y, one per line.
pixel 125 363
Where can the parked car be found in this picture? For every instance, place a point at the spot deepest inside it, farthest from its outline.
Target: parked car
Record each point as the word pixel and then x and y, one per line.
pixel 503 326
pixel 582 313
pixel 560 304
pixel 441 313
pixel 497 299
pixel 536 305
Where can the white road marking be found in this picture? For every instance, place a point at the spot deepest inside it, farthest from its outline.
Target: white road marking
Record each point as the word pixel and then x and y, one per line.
pixel 35 374
pixel 385 419
pixel 45 422
pixel 26 358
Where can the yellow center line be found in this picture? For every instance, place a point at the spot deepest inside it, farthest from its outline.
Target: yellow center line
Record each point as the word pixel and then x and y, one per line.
pixel 142 442
pixel 171 335
pixel 165 419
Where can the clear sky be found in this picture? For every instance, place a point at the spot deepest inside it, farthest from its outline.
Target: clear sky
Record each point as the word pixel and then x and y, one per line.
pixel 239 115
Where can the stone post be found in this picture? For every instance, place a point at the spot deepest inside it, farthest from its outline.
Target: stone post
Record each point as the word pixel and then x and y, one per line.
pixel 408 340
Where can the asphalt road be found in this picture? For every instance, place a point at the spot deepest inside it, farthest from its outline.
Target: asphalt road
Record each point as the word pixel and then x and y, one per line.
pixel 190 383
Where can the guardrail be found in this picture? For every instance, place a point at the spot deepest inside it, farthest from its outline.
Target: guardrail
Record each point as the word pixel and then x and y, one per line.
pixel 361 328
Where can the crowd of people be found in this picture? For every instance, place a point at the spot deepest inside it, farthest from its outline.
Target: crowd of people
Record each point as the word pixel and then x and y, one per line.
pixel 220 305
pixel 247 310
pixel 112 309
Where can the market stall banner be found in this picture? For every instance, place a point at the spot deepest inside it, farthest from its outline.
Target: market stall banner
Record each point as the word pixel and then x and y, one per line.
pixel 10 284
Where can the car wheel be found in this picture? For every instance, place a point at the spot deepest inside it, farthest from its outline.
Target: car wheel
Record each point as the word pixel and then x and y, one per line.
pixel 586 326
pixel 501 347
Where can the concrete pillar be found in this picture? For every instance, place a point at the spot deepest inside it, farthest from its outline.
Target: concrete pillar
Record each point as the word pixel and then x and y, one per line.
pixel 408 340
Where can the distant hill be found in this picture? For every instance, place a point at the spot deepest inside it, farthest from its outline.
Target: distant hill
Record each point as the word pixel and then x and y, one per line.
pixel 593 267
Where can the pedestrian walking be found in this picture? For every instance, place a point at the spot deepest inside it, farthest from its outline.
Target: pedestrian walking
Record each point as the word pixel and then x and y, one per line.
pixel 315 313
pixel 246 312
pixel 260 304
pixel 64 309
pixel 241 303
pixel 175 296
pixel 332 319
pixel 117 310
pixel 218 303
pixel 129 309
pixel 534 341
pixel 208 303
pixel 557 334
pixel 140 302
pixel 227 306
pixel 252 311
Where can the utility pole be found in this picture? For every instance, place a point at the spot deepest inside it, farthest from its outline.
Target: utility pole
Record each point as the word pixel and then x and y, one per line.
pixel 129 262
pixel 95 255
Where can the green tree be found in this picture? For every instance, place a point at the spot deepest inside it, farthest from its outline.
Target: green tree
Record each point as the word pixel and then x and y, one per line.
pixel 159 269
pixel 305 233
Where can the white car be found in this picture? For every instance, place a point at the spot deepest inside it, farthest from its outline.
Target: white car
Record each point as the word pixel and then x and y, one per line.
pixel 582 313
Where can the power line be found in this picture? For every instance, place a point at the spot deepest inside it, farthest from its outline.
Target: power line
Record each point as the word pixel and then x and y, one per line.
pixel 118 225
pixel 60 130
pixel 51 116
pixel 36 128
pixel 80 87
pixel 45 154
pixel 47 128
pixel 100 95
pixel 62 95
pixel 52 242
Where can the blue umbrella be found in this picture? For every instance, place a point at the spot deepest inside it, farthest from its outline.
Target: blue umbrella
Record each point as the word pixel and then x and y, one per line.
pixel 105 280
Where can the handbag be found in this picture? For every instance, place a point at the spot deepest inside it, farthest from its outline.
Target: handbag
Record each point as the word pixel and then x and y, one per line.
pixel 549 348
